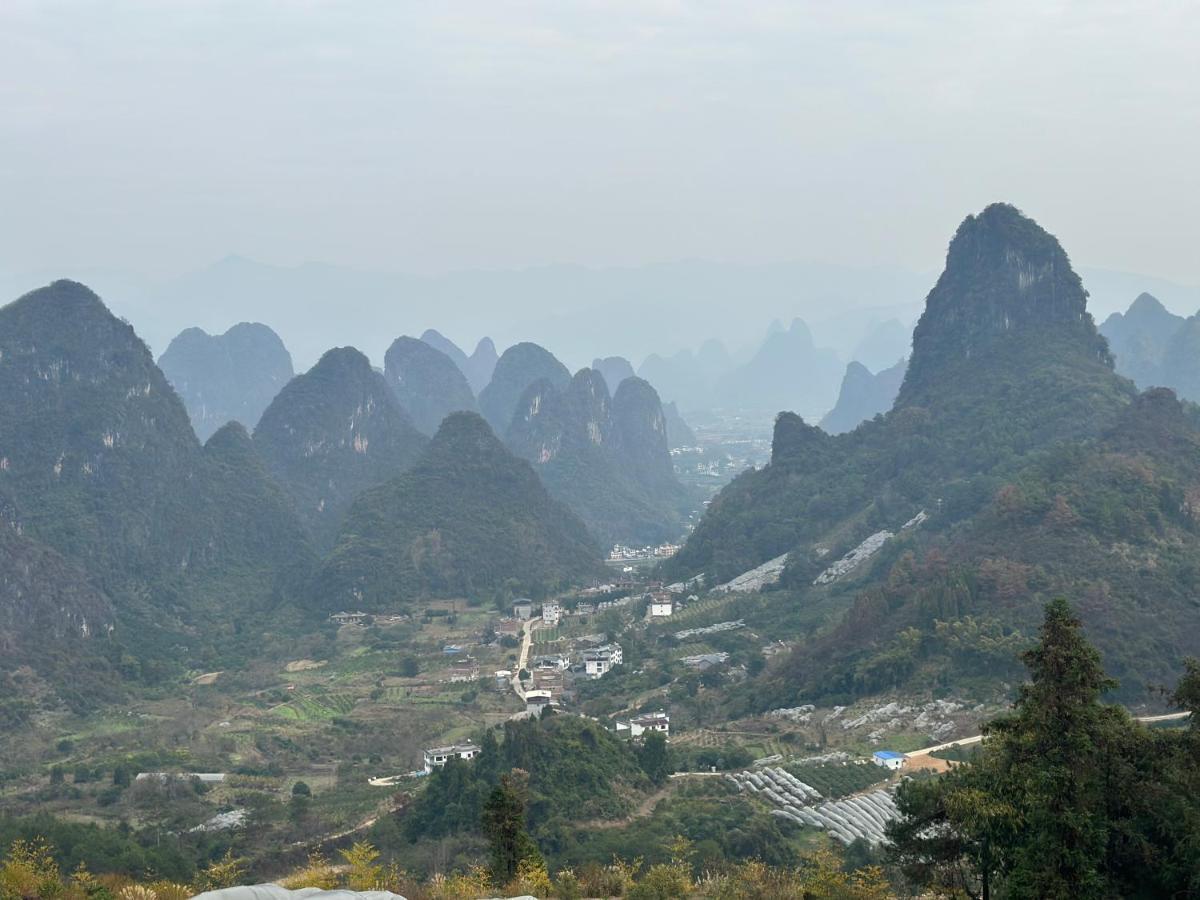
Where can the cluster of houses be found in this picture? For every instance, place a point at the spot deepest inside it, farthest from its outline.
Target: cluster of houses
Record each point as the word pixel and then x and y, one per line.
pixel 621 553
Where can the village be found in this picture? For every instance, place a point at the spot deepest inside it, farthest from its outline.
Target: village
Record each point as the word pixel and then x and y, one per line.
pixel 561 653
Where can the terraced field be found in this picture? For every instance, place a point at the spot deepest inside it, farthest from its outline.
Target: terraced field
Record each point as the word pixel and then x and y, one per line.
pixel 315 708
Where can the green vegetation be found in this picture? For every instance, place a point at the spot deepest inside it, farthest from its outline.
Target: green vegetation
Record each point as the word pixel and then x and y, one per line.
pixel 468 520
pixel 518 367
pixel 1067 797
pixel 605 458
pixel 333 432
pixel 836 780
pixel 1039 469
pixel 577 771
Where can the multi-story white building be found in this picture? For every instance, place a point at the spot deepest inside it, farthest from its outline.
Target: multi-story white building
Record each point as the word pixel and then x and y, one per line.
pixel 639 725
pixel 436 757
pixel 598 661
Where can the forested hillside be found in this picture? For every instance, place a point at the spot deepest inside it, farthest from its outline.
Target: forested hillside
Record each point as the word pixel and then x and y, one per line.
pixel 468 520
pixel 1037 470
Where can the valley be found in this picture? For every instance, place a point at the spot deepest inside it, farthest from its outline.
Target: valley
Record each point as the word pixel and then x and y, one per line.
pixel 396 593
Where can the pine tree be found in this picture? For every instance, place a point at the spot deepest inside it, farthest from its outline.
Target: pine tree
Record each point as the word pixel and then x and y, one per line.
pixel 504 826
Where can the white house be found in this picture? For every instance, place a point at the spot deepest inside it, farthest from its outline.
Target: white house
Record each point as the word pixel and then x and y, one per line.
pixel 597 661
pixel 523 609
pixel 639 725
pixel 436 757
pixel 551 613
pixel 889 759
pixel 661 606
pixel 553 663
pixel 536 701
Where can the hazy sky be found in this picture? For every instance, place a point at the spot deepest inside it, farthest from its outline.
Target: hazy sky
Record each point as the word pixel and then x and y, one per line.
pixel 156 136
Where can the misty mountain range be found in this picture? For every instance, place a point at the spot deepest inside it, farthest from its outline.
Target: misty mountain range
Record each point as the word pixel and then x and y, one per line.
pixel 578 311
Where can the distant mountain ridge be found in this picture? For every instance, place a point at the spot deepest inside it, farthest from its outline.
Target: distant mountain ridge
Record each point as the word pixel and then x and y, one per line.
pixel 476 368
pixel 518 367
pixel 1155 347
pixel 230 377
pixel 615 369
pixel 426 383
pixel 863 396
pixel 606 457
pixel 788 371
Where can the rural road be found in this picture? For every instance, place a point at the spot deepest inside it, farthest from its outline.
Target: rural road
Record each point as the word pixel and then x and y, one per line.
pixel 523 658
pixel 1168 717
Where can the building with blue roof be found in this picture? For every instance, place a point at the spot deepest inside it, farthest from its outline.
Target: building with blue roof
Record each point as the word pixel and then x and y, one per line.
pixel 889 759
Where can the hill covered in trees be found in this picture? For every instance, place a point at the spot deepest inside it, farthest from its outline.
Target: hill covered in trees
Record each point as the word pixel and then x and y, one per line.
pixel 518 367
pixel 333 432
pixel 122 531
pixel 605 457
pixel 1021 465
pixel 469 519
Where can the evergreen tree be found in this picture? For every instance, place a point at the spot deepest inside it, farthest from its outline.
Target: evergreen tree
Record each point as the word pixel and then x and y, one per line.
pixel 504 826
pixel 654 758
pixel 1068 798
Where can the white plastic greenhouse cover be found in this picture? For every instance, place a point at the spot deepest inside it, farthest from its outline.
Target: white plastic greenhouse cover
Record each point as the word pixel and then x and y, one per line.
pixel 275 892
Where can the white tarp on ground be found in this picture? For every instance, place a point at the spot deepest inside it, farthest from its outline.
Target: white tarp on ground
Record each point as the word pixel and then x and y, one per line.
pixel 755 579
pixel 275 892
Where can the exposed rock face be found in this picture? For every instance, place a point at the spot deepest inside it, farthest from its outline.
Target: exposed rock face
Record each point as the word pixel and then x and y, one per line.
pixel 519 367
pixel 863 396
pixel 467 519
pixel 1006 359
pixel 787 372
pixel 113 515
pixel 1006 281
pixel 230 377
pixel 679 433
pixel 45 602
pixel 1139 339
pixel 605 458
pixel 641 428
pixel 333 432
pixel 551 421
pixel 615 369
pixel 96 450
pixel 426 382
